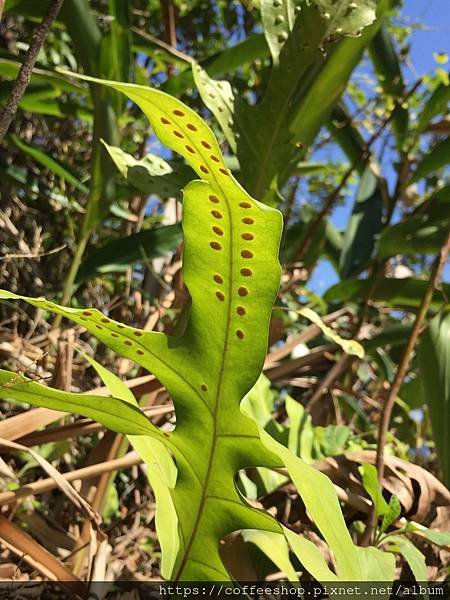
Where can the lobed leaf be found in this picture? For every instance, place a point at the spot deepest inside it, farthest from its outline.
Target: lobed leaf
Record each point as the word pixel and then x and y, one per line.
pixel 231 270
pixel 111 412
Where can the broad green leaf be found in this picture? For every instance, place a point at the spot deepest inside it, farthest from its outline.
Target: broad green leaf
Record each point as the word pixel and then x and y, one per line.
pixel 152 174
pixel 231 270
pixel 364 224
pixel 435 159
pixel 372 487
pixel 219 98
pixel 387 65
pixel 436 104
pixel 392 514
pixel 111 412
pixel 434 369
pixel 275 547
pixel 122 253
pixel 399 293
pixel 400 544
pixel 376 565
pixel 161 473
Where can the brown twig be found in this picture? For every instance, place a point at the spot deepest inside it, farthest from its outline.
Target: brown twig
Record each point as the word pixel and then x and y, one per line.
pixel 47 484
pixel 170 49
pixel 336 371
pixel 402 369
pixel 170 31
pixel 23 78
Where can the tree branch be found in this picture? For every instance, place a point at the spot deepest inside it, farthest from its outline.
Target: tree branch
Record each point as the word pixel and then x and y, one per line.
pixel 23 78
pixel 402 369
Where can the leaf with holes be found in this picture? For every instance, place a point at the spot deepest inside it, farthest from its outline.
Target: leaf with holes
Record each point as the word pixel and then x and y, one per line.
pixel 348 17
pixel 278 17
pixel 219 98
pixel 231 269
pixel 308 76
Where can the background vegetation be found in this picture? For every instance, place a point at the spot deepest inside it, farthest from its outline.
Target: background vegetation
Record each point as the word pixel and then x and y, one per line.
pixel 335 130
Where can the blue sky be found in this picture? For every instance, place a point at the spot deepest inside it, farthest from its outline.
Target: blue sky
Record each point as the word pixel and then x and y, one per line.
pixel 431 21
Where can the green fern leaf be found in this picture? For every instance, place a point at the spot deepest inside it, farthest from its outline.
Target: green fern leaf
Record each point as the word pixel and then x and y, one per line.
pixel 231 268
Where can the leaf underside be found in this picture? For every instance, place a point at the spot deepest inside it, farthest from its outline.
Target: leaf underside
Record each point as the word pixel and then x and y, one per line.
pixel 231 269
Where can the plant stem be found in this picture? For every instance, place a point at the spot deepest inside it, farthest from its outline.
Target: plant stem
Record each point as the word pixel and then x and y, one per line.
pixel 70 280
pixel 23 78
pixel 402 369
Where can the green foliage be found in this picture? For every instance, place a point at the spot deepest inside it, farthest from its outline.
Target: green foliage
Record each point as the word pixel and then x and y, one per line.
pixel 364 225
pixel 398 293
pixel 434 362
pixel 433 160
pixel 289 95
pixel 232 273
pixel 111 412
pixel 120 254
pixel 421 232
pixel 152 174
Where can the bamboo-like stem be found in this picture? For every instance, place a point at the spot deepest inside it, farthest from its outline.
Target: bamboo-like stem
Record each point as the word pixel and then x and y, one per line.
pixel 70 280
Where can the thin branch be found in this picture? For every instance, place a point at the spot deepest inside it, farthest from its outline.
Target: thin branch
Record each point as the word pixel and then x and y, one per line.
pixel 164 45
pixel 48 484
pixel 404 363
pixel 23 78
pixel 402 369
pixel 33 255
pixel 336 371
pixel 361 158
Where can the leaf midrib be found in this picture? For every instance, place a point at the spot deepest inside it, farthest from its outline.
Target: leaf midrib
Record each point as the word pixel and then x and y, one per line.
pixel 215 436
